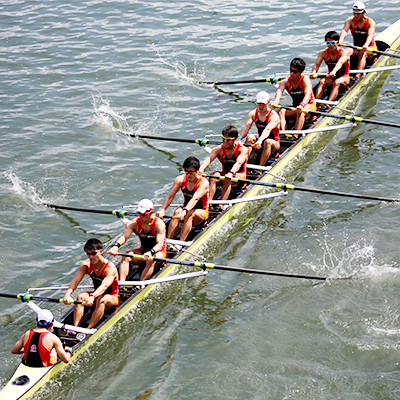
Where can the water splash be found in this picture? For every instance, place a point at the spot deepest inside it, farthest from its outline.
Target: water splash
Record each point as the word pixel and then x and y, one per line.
pixel 112 121
pixel 180 70
pixel 347 258
pixel 24 189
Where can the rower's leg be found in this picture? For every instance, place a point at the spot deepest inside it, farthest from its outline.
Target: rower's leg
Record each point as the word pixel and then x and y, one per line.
pixel 101 304
pixel 173 225
pixel 79 309
pixel 213 185
pixel 282 115
pixel 319 93
pixel 226 189
pixel 336 86
pixel 300 119
pixel 124 266
pixel 149 270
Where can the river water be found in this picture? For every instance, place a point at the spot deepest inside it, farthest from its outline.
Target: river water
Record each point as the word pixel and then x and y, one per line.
pixel 76 78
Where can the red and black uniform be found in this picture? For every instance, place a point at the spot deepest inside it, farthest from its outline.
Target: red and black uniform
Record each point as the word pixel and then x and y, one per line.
pixel 36 354
pixel 202 204
pixel 148 239
pixel 229 162
pixel 98 279
pixel 261 125
pixel 345 68
pixel 360 34
pixel 297 94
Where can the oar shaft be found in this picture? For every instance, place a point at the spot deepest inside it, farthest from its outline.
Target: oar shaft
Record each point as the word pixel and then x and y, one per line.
pixel 273 79
pixel 352 118
pixel 88 210
pixel 286 186
pixel 25 297
pixel 205 265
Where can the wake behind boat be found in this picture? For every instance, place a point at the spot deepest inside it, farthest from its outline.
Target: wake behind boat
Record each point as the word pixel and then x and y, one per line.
pixel 27 380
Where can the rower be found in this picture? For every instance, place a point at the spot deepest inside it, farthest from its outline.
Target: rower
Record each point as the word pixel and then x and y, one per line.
pixel 267 122
pixel 338 62
pixel 195 191
pixel 151 232
pixel 40 346
pixel 105 284
pixel 300 89
pixel 363 30
pixel 233 156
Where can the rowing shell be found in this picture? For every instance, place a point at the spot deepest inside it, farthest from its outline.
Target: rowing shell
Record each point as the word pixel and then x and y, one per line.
pixel 26 380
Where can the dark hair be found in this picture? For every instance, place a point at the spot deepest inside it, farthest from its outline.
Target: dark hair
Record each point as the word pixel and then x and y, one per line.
pixel 230 131
pixel 298 64
pixel 191 162
pixel 332 35
pixel 93 244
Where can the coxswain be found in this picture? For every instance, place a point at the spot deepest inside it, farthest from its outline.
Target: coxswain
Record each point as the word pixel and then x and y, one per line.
pixel 40 346
pixel 267 122
pixel 338 63
pixel 233 156
pixel 300 89
pixel 151 232
pixel 195 189
pixel 363 30
pixel 104 275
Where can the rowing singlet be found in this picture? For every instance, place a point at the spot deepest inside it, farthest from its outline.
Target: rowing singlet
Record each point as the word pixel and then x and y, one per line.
pixel 229 162
pixel 360 34
pixel 202 204
pixel 298 93
pixel 148 239
pixel 261 125
pixel 98 279
pixel 345 68
pixel 37 355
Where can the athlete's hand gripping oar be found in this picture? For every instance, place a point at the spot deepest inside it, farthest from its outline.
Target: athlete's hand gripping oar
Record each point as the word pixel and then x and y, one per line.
pixel 272 79
pixel 384 53
pixel 286 186
pixel 118 213
pixel 206 265
pixel 352 118
pixel 26 297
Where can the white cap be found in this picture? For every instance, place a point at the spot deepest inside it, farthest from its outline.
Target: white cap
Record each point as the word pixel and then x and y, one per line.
pixel 44 318
pixel 145 205
pixel 359 6
pixel 262 97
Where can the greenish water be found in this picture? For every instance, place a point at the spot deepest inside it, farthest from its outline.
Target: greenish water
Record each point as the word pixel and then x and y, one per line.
pixel 75 78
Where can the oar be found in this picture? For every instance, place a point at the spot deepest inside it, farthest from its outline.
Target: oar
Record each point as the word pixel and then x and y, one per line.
pixel 201 142
pixel 384 53
pixel 352 118
pixel 25 297
pixel 206 265
pixel 286 186
pixel 118 213
pixel 273 79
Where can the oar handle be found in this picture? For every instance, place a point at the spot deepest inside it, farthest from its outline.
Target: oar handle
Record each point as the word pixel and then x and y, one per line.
pixel 384 53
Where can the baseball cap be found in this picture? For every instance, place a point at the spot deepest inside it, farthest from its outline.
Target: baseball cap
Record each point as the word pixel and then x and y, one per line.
pixel 44 318
pixel 359 7
pixel 262 97
pixel 145 205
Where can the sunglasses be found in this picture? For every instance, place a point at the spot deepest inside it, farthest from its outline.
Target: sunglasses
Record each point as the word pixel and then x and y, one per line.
pixel 145 213
pixel 331 42
pixel 91 253
pixel 293 70
pixel 189 172
pixel 358 12
pixel 227 138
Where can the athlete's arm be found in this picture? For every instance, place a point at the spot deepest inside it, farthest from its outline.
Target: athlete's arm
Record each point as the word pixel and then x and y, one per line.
pixel 215 152
pixel 241 159
pixel 249 123
pixel 279 92
pixel 318 62
pixel 82 271
pixel 126 234
pixel 345 29
pixel 19 346
pixel 307 90
pixel 61 353
pixel 160 235
pixel 170 197
pixel 342 60
pixel 371 33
